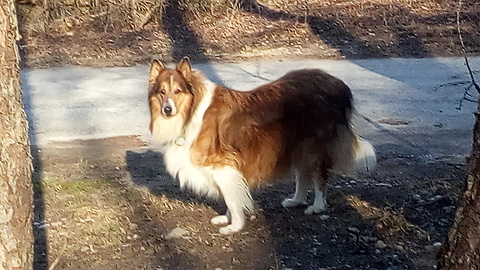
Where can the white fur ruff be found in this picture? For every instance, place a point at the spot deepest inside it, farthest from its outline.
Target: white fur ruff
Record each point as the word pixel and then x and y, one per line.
pixel 168 135
pixel 177 156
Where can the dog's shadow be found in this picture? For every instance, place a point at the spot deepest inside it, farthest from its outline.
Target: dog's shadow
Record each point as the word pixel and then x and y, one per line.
pixel 328 235
pixel 147 169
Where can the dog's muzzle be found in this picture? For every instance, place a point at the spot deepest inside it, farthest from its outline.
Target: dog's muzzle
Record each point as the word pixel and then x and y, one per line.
pixel 168 108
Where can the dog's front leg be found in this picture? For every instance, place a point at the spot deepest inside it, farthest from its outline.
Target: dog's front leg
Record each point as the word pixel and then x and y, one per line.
pixel 222 219
pixel 237 197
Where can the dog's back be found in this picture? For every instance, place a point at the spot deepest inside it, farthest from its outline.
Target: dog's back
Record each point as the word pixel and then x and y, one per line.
pixel 266 131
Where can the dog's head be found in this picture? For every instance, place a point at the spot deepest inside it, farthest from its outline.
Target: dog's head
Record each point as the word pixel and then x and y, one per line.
pixel 170 90
pixel 171 97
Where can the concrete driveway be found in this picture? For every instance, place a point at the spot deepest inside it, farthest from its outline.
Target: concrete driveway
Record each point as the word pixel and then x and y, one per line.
pixel 401 103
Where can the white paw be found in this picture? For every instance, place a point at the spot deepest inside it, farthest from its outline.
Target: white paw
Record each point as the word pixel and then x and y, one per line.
pixel 292 203
pixel 219 220
pixel 229 229
pixel 312 209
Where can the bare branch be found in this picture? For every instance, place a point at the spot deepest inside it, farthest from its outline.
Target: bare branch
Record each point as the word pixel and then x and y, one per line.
pixel 473 83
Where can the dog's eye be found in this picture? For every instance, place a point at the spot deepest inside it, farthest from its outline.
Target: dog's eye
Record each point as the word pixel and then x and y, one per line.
pixel 162 92
pixel 177 91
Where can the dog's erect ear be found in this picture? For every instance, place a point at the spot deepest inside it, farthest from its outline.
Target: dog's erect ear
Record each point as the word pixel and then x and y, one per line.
pixel 155 68
pixel 185 68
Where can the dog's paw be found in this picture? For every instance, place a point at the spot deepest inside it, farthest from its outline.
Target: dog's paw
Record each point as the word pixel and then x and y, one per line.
pixel 312 209
pixel 229 229
pixel 292 203
pixel 219 220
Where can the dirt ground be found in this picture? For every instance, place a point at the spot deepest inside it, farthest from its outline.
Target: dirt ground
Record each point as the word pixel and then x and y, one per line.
pixel 109 204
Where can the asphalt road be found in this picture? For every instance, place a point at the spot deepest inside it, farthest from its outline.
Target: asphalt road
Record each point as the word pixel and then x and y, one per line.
pixel 407 104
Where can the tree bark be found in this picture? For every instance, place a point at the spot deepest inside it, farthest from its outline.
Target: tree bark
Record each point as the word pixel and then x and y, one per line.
pixel 461 250
pixel 16 245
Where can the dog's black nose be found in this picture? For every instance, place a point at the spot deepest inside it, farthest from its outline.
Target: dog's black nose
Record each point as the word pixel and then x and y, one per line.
pixel 167 110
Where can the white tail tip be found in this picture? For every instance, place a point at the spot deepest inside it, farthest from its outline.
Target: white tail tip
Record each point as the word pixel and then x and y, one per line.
pixel 365 157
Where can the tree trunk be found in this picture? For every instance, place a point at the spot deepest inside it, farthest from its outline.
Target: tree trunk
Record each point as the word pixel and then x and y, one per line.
pixel 462 248
pixel 16 247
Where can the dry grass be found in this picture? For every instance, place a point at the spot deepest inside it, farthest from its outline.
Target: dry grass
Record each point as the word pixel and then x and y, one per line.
pixel 63 16
pixel 126 32
pixel 388 221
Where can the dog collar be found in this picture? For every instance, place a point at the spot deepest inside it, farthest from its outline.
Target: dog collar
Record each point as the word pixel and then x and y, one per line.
pixel 180 141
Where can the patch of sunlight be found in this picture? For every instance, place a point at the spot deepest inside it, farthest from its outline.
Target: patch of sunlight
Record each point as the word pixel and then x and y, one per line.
pixel 386 219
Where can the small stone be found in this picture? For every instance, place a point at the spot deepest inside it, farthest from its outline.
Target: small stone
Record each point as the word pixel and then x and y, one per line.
pixel 85 249
pixel 324 217
pixel 353 230
pixel 433 247
pixel 353 182
pixel 435 198
pixel 380 244
pixel 417 197
pixel 377 251
pixel 398 247
pixel 384 185
pixel 370 239
pixel 177 233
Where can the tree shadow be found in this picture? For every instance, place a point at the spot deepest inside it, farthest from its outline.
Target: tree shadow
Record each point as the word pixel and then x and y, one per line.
pixel 351 47
pixel 185 42
pixel 40 242
pixel 328 30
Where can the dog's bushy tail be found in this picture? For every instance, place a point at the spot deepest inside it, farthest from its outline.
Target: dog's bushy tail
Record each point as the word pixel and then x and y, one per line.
pixel 352 155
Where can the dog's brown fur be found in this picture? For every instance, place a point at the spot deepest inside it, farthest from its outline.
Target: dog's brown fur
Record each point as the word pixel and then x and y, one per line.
pixel 299 122
pixel 264 131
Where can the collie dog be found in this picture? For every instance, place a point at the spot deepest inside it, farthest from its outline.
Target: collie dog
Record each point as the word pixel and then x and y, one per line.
pixel 221 142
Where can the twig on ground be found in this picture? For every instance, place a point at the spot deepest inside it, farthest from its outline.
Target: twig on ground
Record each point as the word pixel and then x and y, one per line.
pixel 150 15
pixel 60 253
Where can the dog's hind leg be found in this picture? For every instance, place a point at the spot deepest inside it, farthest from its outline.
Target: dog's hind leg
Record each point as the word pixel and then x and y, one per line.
pixel 320 177
pixel 237 197
pixel 303 182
